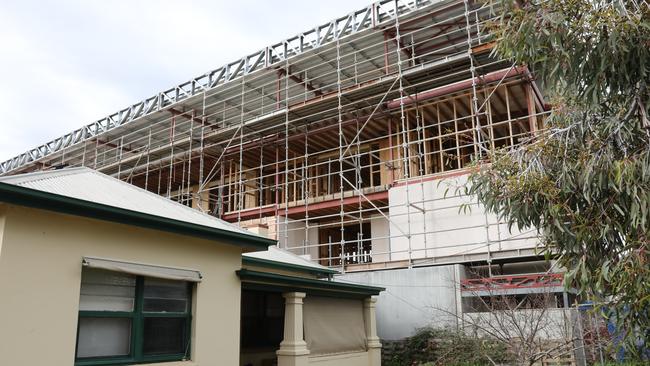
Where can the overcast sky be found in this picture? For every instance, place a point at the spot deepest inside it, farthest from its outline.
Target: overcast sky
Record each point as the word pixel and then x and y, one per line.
pixel 67 63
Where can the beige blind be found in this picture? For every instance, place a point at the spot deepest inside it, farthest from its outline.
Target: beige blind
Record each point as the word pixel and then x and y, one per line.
pixel 333 325
pixel 140 269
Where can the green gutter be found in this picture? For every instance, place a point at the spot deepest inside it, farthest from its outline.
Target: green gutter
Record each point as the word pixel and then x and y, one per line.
pixel 28 197
pixel 252 261
pixel 309 285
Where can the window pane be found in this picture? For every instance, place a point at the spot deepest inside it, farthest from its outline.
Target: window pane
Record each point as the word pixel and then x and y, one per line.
pixel 165 295
pixel 102 337
pixel 106 291
pixel 164 336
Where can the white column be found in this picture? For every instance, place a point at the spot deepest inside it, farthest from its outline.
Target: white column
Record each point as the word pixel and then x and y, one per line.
pixel 293 349
pixel 372 340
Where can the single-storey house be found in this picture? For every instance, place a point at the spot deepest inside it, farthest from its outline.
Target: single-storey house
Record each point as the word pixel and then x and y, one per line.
pixel 95 271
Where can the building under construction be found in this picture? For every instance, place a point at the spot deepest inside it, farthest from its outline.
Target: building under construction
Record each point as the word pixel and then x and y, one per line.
pixel 347 144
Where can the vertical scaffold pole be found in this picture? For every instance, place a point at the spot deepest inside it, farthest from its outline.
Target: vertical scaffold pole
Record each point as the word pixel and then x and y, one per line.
pixel 477 119
pixel 420 128
pixel 341 142
pixel 240 184
pixel 405 134
pixel 189 162
pixel 305 189
pixel 286 152
pixel 146 176
pixel 171 156
pixel 200 191
pixel 359 183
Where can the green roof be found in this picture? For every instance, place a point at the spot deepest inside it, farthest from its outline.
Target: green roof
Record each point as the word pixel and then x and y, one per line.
pixel 173 217
pixel 277 258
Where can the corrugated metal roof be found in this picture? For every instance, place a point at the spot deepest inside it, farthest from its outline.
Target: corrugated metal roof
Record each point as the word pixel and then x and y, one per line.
pixel 276 254
pixel 89 185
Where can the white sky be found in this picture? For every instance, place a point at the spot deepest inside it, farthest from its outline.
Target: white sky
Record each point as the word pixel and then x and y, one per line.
pixel 67 63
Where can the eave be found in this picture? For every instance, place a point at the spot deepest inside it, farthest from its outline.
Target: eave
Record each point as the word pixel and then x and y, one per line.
pixel 276 282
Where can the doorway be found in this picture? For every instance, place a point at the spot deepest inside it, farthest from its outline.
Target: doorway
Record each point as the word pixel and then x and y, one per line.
pixel 262 327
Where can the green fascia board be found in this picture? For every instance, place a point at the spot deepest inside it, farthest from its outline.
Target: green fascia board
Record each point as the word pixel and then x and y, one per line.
pixel 251 261
pixel 306 284
pixel 28 197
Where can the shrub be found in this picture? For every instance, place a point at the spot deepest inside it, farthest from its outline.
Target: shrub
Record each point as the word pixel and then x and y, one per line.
pixel 432 347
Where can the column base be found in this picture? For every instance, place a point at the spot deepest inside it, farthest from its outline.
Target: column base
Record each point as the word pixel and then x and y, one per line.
pixel 373 342
pixel 292 352
pixel 293 357
pixel 374 356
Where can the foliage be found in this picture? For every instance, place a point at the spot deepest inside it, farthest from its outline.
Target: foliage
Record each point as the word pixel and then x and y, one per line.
pixel 431 346
pixel 527 326
pixel 583 182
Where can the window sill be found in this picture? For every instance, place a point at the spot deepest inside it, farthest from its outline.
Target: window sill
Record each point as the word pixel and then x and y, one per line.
pixel 131 363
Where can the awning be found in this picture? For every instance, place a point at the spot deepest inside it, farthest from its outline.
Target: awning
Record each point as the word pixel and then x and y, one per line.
pixel 140 269
pixel 333 325
pixel 267 280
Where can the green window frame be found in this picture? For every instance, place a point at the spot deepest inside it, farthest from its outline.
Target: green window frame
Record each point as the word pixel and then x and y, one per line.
pixel 138 317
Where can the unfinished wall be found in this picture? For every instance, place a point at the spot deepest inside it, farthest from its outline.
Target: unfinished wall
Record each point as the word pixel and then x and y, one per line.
pixel 380 233
pixel 445 229
pixel 291 236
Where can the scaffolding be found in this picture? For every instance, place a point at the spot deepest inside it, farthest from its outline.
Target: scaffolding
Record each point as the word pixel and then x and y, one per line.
pixel 321 139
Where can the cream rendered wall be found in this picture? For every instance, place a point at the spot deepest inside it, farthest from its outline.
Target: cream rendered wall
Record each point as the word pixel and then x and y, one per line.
pixel 457 233
pixel 2 224
pixel 40 274
pixel 343 359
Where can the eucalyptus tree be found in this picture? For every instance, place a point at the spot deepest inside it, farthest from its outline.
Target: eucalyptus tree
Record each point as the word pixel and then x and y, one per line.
pixel 584 180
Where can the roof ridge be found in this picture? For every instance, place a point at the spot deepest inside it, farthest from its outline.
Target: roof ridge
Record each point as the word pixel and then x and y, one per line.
pixel 42 175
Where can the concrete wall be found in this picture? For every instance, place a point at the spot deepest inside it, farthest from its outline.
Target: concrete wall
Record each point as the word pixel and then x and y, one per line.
pixel 40 276
pixel 456 234
pixel 414 298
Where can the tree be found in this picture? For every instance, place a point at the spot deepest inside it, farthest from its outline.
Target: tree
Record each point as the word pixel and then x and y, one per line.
pixel 531 328
pixel 583 182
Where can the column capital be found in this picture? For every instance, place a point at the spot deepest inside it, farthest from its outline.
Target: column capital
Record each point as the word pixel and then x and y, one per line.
pixel 370 302
pixel 294 295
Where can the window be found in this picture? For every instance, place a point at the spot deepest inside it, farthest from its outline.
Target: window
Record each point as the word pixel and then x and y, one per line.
pixel 128 319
